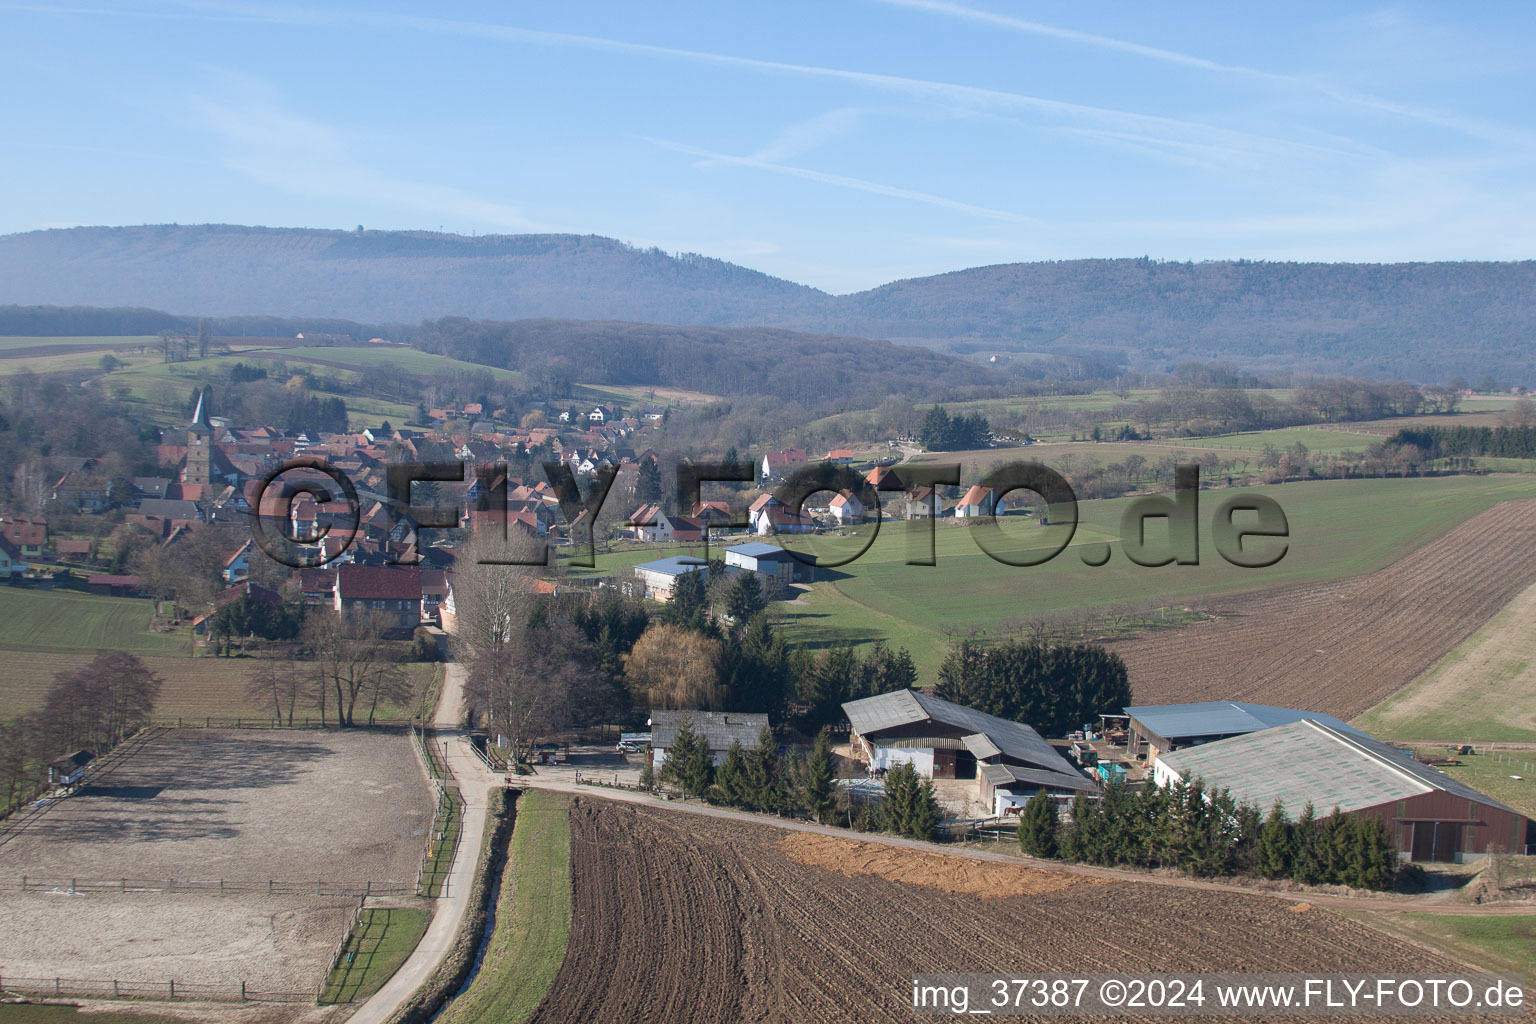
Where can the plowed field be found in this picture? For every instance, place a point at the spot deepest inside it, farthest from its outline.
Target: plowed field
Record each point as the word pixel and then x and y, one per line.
pixel 680 917
pixel 1341 647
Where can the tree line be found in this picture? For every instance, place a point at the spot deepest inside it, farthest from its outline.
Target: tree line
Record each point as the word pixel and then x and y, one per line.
pixel 1207 832
pixel 94 707
pixel 1053 687
pixel 1515 442
pixel 761 779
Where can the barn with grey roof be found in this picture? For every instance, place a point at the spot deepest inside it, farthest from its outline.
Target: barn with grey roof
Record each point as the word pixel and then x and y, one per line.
pixel 1432 816
pixel 944 740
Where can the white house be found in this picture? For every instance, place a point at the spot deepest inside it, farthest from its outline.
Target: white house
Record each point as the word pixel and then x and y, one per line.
pixel 979 501
pixel 846 509
pixel 779 464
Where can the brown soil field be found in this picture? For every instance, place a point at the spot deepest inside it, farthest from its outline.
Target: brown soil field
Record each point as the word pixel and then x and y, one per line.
pixel 241 805
pixel 681 917
pixel 245 806
pixel 990 880
pixel 192 687
pixel 1341 647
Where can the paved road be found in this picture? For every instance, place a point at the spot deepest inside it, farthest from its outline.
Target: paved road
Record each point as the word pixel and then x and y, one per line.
pixel 475 783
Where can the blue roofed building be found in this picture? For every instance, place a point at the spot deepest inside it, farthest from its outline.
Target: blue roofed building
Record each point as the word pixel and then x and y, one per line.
pixel 770 560
pixel 1156 729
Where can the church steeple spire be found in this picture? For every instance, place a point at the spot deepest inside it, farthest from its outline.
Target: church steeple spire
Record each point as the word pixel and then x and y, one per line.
pixel 200 417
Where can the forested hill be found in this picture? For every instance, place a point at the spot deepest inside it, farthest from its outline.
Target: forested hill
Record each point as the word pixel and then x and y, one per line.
pixel 1421 321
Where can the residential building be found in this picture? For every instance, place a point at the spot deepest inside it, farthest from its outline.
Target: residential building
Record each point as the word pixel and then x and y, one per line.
pixel 392 591
pixel 719 728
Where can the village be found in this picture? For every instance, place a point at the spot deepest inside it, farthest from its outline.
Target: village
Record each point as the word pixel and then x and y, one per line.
pixel 372 559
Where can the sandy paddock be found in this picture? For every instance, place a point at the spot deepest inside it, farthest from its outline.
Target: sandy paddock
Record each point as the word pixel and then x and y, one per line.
pixel 242 805
pixel 245 806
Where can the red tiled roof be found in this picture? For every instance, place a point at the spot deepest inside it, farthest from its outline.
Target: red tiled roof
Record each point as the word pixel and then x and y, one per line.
pixel 373 583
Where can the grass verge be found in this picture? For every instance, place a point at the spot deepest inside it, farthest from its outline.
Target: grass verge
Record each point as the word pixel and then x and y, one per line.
pixel 378 944
pixel 451 974
pixel 442 844
pixel 533 918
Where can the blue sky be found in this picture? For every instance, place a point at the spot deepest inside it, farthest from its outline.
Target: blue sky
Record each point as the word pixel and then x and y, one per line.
pixel 839 144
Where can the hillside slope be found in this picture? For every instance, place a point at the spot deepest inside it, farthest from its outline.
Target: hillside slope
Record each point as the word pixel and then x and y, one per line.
pixel 1422 321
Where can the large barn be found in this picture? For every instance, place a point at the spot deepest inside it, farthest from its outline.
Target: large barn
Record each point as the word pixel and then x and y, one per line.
pixel 1433 817
pixel 1156 729
pixel 943 740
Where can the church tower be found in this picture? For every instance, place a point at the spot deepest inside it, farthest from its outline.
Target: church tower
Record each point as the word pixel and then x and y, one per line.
pixel 199 445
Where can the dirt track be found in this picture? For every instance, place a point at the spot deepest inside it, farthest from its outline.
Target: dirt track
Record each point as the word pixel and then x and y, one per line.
pixel 1341 647
pixel 681 917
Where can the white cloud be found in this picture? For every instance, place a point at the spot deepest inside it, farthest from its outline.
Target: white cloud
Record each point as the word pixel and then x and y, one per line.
pixel 264 140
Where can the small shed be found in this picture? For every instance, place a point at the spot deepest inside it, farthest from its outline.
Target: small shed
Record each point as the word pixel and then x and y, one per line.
pixel 67 771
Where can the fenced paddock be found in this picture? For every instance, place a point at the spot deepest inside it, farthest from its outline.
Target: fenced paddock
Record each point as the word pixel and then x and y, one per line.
pixel 216 856
pixel 168 990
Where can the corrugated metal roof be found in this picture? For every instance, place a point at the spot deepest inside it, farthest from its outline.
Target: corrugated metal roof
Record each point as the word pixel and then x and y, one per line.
pixel 756 549
pixel 1223 718
pixel 721 728
pixel 677 565
pixel 1312 762
pixel 979 744
pixel 908 707
pixel 1007 776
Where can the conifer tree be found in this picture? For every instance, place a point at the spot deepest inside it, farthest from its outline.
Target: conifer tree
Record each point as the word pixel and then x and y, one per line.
pixel 1037 826
pixel 1275 849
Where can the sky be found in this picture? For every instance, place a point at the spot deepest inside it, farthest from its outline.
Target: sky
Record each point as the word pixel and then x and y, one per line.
pixel 840 144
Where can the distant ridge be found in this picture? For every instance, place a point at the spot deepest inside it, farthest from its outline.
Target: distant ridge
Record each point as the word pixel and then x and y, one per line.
pixel 1421 321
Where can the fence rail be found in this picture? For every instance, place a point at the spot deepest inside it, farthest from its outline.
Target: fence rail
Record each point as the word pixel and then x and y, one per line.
pixel 111 988
pixel 217 886
pixel 264 722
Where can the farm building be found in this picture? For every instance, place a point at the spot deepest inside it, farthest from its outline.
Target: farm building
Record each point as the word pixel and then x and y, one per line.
pixel 111 585
pixel 661 576
pixel 67 771
pixel 720 728
pixel 1009 760
pixel 1432 816
pixel 10 558
pixel 1156 729
pixel 770 560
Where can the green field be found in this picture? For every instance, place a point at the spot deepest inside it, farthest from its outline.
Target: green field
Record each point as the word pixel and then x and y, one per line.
pixel 1490 771
pixel 533 918
pixel 1505 943
pixel 1338 528
pixel 377 945
pixel 68 620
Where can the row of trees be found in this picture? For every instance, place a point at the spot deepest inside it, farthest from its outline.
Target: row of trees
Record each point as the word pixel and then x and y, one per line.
pixel 1513 442
pixel 94 707
pixel 942 432
pixel 1209 833
pixel 762 779
pixel 1055 688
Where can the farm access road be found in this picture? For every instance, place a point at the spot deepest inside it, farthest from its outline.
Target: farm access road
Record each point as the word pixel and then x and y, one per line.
pixel 476 781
